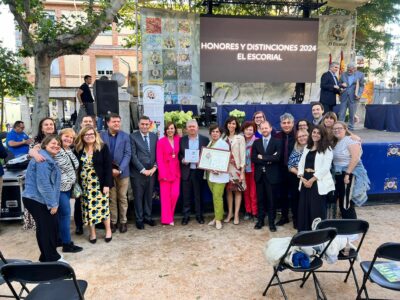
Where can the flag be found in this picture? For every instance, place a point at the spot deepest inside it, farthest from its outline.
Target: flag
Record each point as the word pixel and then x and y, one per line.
pixel 330 60
pixel 342 64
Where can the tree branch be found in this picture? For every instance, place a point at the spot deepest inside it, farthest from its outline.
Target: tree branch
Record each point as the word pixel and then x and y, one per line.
pixel 22 23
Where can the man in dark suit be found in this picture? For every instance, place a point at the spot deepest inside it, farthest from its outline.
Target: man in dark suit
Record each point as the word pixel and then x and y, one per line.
pixel 191 176
pixel 329 87
pixel 287 136
pixel 120 149
pixel 142 168
pixel 266 155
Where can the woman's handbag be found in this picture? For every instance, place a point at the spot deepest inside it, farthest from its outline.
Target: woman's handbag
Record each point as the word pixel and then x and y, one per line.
pixel 76 190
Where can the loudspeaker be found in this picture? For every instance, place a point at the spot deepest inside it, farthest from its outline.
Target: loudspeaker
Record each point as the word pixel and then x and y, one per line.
pixel 106 92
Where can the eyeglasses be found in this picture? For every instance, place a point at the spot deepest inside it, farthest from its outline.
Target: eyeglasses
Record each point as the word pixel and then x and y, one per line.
pixel 89 135
pixel 337 129
pixel 302 136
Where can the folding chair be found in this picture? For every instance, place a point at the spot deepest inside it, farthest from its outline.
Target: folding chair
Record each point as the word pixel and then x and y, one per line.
pixel 4 261
pixel 347 227
pixel 56 280
pixel 388 251
pixel 304 239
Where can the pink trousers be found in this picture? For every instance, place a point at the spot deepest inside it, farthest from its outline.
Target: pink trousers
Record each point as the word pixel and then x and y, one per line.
pixel 169 193
pixel 250 195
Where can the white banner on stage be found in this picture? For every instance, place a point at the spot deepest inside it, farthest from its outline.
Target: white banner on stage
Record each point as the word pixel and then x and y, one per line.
pixel 335 35
pixel 153 107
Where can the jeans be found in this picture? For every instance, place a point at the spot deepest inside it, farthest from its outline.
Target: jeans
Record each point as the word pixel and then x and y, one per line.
pixel 64 217
pixel 347 102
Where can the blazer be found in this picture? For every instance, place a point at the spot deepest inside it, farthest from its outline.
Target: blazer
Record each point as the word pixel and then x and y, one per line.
pixel 349 91
pixel 238 150
pixel 184 144
pixel 102 165
pixel 167 159
pixel 270 161
pixel 122 152
pixel 221 177
pixel 322 168
pixel 328 92
pixel 141 157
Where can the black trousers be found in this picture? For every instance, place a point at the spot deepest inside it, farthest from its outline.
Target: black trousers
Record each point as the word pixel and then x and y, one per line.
pixel 78 213
pixel 143 187
pixel 293 188
pixel 46 229
pixel 328 107
pixel 265 200
pixel 89 108
pixel 343 193
pixel 192 186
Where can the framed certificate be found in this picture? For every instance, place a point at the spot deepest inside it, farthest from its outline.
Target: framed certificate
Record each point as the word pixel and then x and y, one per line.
pixel 192 156
pixel 213 159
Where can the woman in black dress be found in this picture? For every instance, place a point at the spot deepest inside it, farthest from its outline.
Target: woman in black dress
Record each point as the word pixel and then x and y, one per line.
pixel 315 178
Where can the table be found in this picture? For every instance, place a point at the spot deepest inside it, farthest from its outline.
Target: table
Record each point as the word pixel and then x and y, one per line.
pixel 382 117
pixel 184 107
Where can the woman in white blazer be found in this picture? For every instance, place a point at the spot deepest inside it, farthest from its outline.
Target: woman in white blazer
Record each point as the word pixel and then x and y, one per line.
pixel 315 178
pixel 217 180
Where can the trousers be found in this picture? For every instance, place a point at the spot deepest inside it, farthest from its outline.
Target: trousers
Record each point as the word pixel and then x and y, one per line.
pixel 217 191
pixel 250 195
pixel 169 193
pixel 119 200
pixel 64 217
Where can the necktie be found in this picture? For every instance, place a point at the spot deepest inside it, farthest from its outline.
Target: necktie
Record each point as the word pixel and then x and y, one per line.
pixel 265 142
pixel 147 143
pixel 286 150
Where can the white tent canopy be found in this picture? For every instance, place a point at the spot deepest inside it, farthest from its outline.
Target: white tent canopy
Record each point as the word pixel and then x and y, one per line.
pixel 346 4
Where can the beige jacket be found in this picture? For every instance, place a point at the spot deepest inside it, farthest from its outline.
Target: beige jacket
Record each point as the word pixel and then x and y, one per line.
pixel 238 149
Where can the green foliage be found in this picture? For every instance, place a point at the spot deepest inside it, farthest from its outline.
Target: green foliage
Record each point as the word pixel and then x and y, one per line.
pixel 179 118
pixel 13 80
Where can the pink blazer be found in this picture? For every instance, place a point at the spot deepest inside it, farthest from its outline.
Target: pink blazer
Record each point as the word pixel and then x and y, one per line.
pixel 167 159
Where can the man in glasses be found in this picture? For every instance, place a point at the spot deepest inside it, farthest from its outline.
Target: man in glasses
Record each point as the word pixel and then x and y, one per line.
pixel 17 140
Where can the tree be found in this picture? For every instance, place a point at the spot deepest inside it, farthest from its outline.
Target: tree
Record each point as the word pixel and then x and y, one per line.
pixel 13 80
pixel 45 39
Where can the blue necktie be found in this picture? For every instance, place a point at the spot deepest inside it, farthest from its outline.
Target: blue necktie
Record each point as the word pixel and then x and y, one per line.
pixel 265 144
pixel 147 143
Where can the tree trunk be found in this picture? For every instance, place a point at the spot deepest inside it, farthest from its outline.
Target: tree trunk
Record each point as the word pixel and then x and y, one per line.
pixel 42 90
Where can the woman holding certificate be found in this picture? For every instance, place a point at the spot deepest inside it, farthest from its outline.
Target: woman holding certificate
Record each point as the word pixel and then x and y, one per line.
pixel 169 172
pixel 217 180
pixel 237 181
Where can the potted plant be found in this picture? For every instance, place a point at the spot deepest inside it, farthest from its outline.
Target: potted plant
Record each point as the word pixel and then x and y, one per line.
pixel 179 118
pixel 238 114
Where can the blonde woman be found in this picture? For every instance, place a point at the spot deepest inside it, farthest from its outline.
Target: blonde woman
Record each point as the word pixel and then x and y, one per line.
pixel 95 177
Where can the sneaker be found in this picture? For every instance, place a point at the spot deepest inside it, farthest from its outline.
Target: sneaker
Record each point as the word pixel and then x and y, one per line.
pixel 247 216
pixel 61 259
pixel 71 248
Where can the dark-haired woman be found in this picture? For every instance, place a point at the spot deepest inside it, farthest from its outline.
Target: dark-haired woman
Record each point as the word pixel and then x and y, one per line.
pixel 303 124
pixel 169 172
pixel 237 181
pixel 315 178
pixel 47 127
pixel 41 197
pixel 258 118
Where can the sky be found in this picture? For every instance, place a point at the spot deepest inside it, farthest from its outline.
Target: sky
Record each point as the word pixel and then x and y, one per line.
pixel 7 21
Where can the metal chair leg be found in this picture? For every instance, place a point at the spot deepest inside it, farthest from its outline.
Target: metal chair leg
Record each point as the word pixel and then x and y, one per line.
pixel 270 282
pixel 281 287
pixel 305 279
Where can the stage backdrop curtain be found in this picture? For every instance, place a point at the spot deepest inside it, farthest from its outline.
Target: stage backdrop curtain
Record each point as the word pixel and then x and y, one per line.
pixel 382 117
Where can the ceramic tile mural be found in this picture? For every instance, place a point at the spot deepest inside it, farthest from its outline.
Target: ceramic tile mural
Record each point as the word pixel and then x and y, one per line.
pixel 170 44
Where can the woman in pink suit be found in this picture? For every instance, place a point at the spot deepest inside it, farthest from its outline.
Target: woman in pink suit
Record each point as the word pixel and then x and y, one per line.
pixel 169 172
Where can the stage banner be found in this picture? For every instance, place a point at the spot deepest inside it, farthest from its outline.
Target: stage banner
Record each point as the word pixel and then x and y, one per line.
pixel 335 35
pixel 171 57
pixel 153 107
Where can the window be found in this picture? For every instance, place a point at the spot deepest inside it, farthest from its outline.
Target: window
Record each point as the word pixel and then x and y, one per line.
pixel 51 14
pixel 104 66
pixel 55 68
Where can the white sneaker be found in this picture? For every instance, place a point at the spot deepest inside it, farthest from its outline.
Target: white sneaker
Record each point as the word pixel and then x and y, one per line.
pixel 61 259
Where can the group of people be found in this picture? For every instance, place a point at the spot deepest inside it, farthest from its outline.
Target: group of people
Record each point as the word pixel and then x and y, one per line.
pixel 306 167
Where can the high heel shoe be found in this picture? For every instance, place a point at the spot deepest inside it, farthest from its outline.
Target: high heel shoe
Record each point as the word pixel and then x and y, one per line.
pixel 212 223
pixel 236 221
pixel 228 219
pixel 92 241
pixel 108 239
pixel 218 225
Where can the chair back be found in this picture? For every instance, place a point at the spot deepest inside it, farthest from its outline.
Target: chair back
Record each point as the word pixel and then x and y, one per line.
pixel 345 227
pixel 389 251
pixel 37 272
pixel 314 237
